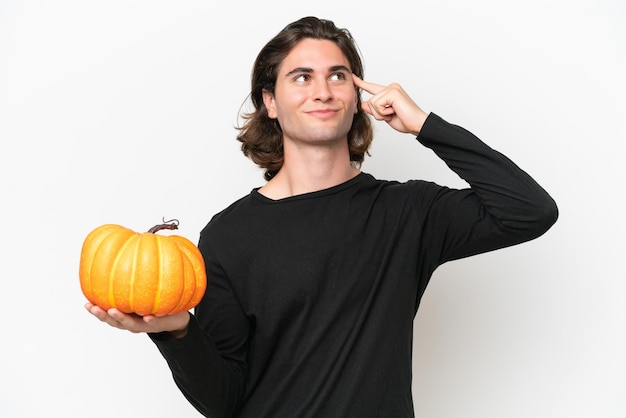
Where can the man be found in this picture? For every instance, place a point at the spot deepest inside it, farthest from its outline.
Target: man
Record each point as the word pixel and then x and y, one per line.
pixel 315 278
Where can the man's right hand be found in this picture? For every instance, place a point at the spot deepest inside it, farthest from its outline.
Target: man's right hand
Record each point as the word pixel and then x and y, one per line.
pixel 175 324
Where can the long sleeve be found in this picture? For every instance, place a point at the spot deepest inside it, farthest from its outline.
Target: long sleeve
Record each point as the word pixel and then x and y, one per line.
pixel 210 384
pixel 504 206
pixel 209 364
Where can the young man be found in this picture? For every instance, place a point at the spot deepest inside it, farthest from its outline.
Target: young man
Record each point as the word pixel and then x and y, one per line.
pixel 315 278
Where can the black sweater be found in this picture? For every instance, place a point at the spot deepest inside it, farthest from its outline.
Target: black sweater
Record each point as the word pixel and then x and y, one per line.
pixel 311 299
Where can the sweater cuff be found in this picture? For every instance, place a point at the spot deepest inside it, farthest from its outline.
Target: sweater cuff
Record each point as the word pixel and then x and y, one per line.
pixel 431 125
pixel 165 339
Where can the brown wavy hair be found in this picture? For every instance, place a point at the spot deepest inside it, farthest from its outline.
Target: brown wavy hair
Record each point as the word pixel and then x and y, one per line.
pixel 261 137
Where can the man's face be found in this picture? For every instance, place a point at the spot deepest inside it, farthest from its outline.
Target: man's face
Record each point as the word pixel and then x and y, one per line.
pixel 314 99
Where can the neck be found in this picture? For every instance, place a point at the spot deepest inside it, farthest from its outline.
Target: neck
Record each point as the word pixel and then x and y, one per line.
pixel 310 171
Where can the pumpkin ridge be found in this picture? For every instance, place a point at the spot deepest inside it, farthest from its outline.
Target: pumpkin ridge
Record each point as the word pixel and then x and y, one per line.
pixel 146 274
pixel 200 279
pixel 112 272
pixel 183 301
pixel 159 284
pixel 198 268
pixel 101 247
pixel 131 291
pixel 88 255
pixel 175 279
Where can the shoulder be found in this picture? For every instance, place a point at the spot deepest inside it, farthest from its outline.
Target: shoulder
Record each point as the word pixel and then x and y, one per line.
pixel 232 214
pixel 396 188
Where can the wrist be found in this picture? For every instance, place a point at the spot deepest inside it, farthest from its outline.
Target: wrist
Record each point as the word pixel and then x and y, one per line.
pixel 420 123
pixel 178 334
pixel 176 328
pixel 181 330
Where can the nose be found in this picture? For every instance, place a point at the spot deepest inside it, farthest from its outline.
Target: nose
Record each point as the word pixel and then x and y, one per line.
pixel 322 91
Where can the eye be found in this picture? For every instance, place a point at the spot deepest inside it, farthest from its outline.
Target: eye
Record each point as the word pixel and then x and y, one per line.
pixel 302 78
pixel 337 76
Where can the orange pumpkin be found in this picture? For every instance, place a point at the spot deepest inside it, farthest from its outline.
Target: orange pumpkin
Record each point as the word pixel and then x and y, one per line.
pixel 142 273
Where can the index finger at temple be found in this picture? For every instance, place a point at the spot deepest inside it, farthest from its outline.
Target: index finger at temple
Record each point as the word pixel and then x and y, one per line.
pixel 370 88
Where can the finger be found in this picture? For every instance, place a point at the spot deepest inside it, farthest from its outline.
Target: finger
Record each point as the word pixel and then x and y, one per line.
pixel 130 322
pixel 102 315
pixel 370 88
pixel 126 320
pixel 96 311
pixel 383 112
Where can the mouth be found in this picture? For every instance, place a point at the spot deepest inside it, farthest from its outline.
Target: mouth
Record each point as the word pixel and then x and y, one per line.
pixel 323 113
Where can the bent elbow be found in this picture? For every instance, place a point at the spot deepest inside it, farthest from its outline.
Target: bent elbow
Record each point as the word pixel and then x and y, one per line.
pixel 546 214
pixel 534 220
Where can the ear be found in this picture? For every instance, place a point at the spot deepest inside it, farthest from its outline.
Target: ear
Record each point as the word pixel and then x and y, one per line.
pixel 270 104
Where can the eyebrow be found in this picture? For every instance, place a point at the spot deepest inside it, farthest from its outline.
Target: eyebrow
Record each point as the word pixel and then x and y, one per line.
pixel 308 70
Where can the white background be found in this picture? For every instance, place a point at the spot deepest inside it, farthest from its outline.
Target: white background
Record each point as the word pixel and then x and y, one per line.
pixel 123 112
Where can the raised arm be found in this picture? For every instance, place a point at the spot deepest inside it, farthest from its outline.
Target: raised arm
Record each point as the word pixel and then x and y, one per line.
pixel 505 206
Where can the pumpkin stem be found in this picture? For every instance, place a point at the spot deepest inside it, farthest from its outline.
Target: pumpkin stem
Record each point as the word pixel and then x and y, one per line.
pixel 171 224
